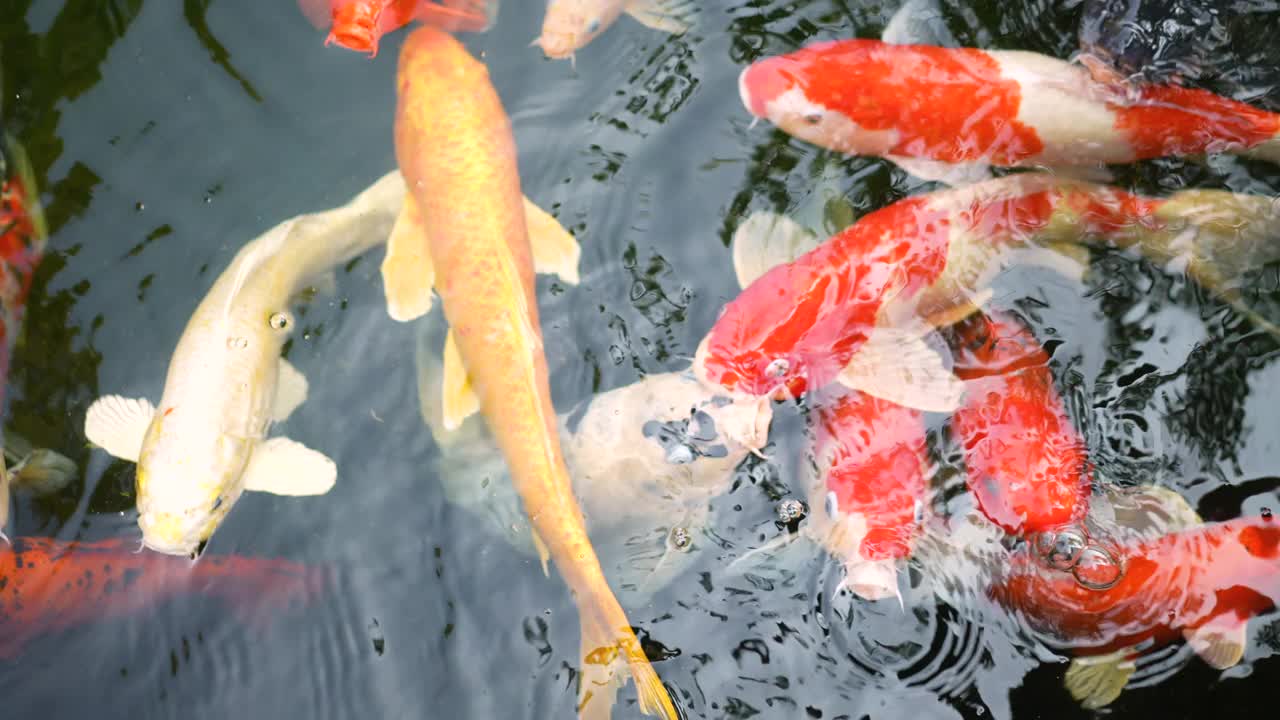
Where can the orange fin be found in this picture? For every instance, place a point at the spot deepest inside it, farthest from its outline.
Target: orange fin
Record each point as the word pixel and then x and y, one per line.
pixel 459 15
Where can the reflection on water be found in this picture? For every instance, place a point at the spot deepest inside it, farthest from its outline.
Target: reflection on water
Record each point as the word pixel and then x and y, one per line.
pixel 164 136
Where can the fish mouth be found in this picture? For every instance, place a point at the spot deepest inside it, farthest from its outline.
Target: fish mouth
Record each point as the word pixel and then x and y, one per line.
pixel 168 534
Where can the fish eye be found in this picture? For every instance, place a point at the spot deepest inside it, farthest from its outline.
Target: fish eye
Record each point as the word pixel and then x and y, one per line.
pixel 777 368
pixel 833 505
pixel 593 26
pixel 813 118
pixel 280 321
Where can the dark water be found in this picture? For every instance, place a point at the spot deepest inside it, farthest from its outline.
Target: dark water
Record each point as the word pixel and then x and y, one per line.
pixel 167 134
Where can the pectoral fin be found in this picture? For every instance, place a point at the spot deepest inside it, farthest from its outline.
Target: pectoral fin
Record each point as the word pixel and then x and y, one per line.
pixel 408 274
pixel 281 466
pixel 673 16
pixel 459 398
pixel 543 553
pixel 919 22
pixel 1220 642
pixel 765 240
pixel 44 471
pixel 954 174
pixel 554 249
pixel 119 425
pixel 961 310
pixel 291 391
pixel 898 365
pixel 1095 682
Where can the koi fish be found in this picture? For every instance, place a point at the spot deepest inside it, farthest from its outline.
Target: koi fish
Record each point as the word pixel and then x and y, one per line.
pixel 1024 461
pixel 227 383
pixel 950 114
pixel 570 24
pixel 464 232
pixel 23 237
pixel 645 459
pixel 49 585
pixel 855 310
pixel 1201 583
pixel 359 24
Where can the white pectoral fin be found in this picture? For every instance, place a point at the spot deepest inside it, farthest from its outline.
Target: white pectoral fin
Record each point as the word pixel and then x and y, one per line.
pixel 408 273
pixel 554 249
pixel 283 467
pixel 1221 641
pixel 291 391
pixel 673 16
pixel 954 174
pixel 459 397
pixel 765 240
pixel 118 425
pixel 898 365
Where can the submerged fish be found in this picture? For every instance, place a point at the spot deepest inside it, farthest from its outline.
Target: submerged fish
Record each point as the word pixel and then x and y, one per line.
pixel 951 113
pixel 207 441
pixel 51 585
pixel 23 237
pixel 1025 462
pixel 856 309
pixel 464 232
pixel 645 459
pixel 359 24
pixel 1201 583
pixel 570 24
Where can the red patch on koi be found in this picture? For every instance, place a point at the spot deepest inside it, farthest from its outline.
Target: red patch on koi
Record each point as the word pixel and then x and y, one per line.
pixel 1172 120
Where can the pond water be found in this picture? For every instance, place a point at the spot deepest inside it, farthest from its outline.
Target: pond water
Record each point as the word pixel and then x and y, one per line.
pixel 166 135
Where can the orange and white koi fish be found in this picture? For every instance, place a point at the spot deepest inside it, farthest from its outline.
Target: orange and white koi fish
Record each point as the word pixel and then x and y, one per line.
pixel 855 309
pixel 1024 461
pixel 467 231
pixel 359 24
pixel 48 585
pixel 570 24
pixel 950 113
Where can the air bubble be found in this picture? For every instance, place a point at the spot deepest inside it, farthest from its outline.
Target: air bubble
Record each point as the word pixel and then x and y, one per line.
pixel 680 538
pixel 1061 551
pixel 1097 569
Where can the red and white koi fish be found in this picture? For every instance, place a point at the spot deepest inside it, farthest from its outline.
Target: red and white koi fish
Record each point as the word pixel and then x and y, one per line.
pixel 873 467
pixel 1024 461
pixel 1201 583
pixel 49 585
pixel 856 309
pixel 23 237
pixel 949 113
pixel 359 24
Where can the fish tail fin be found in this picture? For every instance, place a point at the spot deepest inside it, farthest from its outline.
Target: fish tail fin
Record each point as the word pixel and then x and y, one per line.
pixel 460 15
pixel 605 647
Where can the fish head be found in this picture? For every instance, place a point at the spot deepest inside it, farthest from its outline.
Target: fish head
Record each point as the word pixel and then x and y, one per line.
pixel 186 486
pixel 355 27
pixel 571 24
pixel 791 330
pixel 789 91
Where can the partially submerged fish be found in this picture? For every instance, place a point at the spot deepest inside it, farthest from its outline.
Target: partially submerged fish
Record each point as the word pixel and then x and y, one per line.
pixel 644 458
pixel 49 585
pixel 359 24
pixel 1024 461
pixel 207 441
pixel 464 232
pixel 23 237
pixel 856 309
pixel 950 114
pixel 570 24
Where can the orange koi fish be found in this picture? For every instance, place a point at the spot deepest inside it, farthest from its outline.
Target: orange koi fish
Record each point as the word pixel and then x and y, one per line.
pixel 23 238
pixel 359 24
pixel 1024 461
pixel 947 113
pixel 467 231
pixel 48 585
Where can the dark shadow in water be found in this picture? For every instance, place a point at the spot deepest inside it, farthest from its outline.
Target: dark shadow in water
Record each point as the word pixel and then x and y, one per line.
pixel 194 11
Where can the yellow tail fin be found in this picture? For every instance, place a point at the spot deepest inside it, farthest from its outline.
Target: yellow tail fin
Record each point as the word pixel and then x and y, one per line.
pixel 603 652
